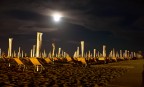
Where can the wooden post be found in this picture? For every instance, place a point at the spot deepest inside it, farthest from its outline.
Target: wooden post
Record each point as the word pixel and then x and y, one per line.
pixel 117 55
pixel 15 54
pixel 59 51
pixel 31 53
pixel 64 54
pixel 82 48
pixel 22 54
pixel 94 53
pixel 132 55
pixel 10 47
pixel 8 53
pixel 121 54
pixel 44 54
pixel 19 53
pixel 25 55
pixel 34 50
pixel 89 54
pixel 50 55
pixel 39 43
pixel 98 54
pixel 113 53
pixel 104 51
pixel 53 51
pixel 77 52
pixel 86 55
pixel 126 56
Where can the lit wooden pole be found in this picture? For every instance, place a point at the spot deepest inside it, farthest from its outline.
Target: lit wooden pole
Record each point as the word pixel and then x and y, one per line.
pixel 50 55
pixel 14 54
pixel 82 48
pixel 82 59
pixel 53 51
pixel 77 52
pixel 59 51
pixel 64 54
pixel 89 54
pixel 113 53
pixel 117 55
pixel 22 54
pixel 94 53
pixel 39 43
pixel 86 55
pixel 8 53
pixel 25 55
pixel 19 52
pixel 56 55
pixel 34 47
pixel 126 54
pixel 44 54
pixel 31 53
pixel 10 47
pixel 104 51
pixel 132 55
pixel 98 54
pixel 121 54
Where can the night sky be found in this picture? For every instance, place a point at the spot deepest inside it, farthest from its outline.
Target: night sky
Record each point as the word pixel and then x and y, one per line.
pixel 117 24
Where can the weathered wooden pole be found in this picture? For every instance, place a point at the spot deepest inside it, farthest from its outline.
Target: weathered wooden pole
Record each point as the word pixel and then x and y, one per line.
pixel 39 43
pixel 77 52
pixel 94 55
pixel 59 51
pixel 10 47
pixel 82 48
pixel 104 51
pixel 34 47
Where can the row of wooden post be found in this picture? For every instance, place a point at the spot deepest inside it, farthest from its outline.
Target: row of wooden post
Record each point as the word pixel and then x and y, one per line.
pixel 35 51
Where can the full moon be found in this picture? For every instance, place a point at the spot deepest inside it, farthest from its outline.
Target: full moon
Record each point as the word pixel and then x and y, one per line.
pixel 57 17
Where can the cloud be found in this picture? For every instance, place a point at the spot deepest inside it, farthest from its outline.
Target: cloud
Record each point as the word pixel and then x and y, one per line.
pixel 96 21
pixel 95 15
pixel 40 29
